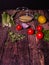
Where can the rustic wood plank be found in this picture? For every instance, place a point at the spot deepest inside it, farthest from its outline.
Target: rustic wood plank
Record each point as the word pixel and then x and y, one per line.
pixel 26 51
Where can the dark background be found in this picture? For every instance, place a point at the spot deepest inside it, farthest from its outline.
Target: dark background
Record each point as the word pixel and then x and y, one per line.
pixel 32 4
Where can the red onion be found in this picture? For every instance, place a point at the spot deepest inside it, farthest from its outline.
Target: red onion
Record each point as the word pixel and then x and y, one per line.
pixel 24 25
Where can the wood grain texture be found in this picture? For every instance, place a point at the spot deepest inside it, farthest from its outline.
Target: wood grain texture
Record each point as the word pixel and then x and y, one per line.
pixel 24 52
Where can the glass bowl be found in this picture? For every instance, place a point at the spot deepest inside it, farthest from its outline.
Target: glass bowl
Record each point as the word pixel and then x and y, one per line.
pixel 24 15
pixel 21 8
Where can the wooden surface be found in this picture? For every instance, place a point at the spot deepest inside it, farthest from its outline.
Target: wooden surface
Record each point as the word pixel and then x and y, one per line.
pixel 24 52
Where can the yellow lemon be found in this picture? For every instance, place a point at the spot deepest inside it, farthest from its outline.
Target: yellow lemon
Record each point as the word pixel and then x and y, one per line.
pixel 42 19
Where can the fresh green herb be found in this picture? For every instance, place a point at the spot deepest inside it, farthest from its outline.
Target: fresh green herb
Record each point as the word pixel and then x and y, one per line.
pixel 46 35
pixel 11 21
pixel 36 15
pixel 15 36
pixel 7 20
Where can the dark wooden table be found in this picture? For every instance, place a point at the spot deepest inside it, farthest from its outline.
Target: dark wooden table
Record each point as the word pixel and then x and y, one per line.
pixel 24 52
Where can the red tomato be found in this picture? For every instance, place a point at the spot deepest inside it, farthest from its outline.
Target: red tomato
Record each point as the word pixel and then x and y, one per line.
pixel 30 31
pixel 39 35
pixel 18 27
pixel 39 28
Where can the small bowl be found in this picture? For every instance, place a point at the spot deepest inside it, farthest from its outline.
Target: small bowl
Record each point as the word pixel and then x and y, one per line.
pixel 25 18
pixel 25 15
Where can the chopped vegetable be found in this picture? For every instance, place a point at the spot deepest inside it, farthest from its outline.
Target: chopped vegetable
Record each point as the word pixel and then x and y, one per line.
pixel 7 20
pixel 4 19
pixel 30 31
pixel 18 27
pixel 15 36
pixel 46 35
pixel 39 35
pixel 39 28
pixel 25 25
pixel 36 15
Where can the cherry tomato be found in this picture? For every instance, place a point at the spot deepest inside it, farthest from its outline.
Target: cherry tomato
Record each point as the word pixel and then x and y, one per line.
pixel 18 27
pixel 39 35
pixel 30 31
pixel 39 28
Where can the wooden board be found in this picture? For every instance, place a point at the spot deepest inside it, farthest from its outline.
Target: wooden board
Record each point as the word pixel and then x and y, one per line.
pixel 24 52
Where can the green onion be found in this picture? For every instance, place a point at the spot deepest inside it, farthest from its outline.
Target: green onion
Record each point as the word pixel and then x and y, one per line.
pixel 4 19
pixel 7 20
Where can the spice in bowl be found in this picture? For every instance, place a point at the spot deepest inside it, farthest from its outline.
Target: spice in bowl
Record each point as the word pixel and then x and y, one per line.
pixel 25 18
